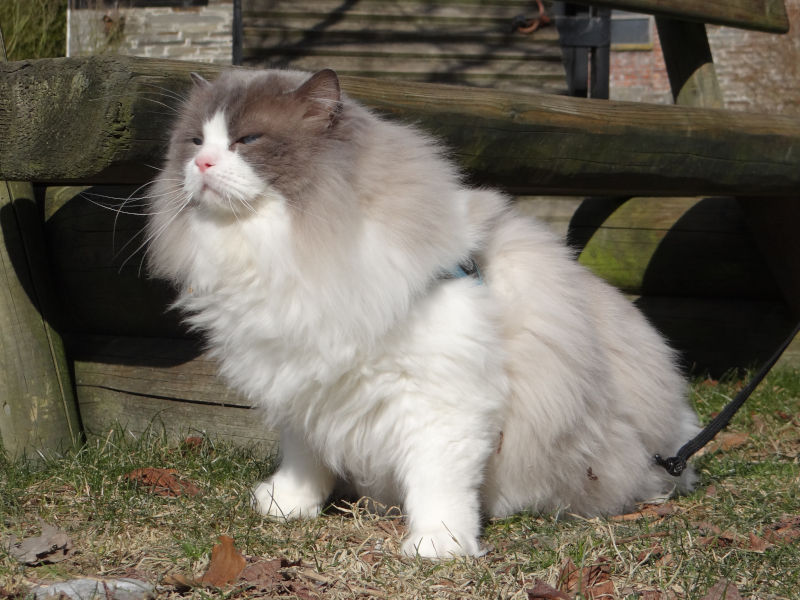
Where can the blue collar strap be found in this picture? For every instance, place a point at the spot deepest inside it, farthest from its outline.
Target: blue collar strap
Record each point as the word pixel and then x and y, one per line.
pixel 466 268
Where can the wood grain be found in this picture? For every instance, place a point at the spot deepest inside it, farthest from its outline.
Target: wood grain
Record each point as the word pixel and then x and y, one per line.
pixel 159 385
pixel 524 142
pixel 762 15
pixel 37 407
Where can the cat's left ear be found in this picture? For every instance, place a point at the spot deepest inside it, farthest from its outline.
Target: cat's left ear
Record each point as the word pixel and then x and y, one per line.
pixel 322 96
pixel 199 80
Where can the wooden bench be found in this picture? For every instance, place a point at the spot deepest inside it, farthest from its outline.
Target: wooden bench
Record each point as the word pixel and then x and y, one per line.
pixel 86 340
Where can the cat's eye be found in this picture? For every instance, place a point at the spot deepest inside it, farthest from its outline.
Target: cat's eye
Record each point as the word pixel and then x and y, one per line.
pixel 197 141
pixel 248 139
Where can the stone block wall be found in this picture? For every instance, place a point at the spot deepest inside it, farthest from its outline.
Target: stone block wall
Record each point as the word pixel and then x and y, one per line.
pixel 758 72
pixel 201 33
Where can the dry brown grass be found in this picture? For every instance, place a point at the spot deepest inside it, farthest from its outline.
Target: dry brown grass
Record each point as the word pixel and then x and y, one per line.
pixel 738 526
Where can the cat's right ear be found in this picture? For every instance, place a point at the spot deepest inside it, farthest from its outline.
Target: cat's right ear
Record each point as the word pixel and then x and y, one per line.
pixel 199 80
pixel 323 97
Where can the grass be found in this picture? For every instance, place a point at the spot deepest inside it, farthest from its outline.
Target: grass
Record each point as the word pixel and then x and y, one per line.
pixel 34 28
pixel 734 526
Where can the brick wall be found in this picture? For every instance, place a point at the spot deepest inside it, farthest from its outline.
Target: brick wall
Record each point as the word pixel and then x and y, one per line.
pixel 200 34
pixel 758 72
pixel 640 75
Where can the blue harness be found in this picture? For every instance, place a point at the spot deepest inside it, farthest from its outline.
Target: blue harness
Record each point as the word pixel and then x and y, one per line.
pixel 466 268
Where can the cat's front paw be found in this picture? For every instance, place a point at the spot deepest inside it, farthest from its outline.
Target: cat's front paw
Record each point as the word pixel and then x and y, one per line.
pixel 441 544
pixel 283 502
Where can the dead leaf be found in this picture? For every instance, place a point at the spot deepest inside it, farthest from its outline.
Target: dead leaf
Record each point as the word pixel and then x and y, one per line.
pixel 654 551
pixel 723 590
pixel 658 511
pixel 568 577
pixel 226 564
pixel 727 440
pixel 716 537
pixel 264 574
pixel 163 482
pixel 542 591
pixel 707 528
pixel 192 444
pixel 592 580
pixel 181 583
pixel 665 561
pixel 759 423
pixel 600 590
pixel 758 544
pixel 652 595
pixel 51 546
pixel 785 530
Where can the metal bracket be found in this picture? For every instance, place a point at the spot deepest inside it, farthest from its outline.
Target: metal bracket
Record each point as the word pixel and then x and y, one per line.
pixel 585 36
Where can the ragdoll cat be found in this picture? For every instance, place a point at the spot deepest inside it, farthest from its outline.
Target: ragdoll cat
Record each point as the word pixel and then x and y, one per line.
pixel 310 240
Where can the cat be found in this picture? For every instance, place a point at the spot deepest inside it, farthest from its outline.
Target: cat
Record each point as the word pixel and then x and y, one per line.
pixel 312 241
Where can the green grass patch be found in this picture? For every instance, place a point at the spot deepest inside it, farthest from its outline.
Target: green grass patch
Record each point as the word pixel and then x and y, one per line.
pixel 741 524
pixel 34 28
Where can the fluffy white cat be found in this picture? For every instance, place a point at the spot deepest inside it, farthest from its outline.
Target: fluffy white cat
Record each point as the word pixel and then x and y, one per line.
pixel 310 240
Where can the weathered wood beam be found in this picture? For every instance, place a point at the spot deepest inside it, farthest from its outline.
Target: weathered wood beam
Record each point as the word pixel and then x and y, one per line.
pixel 38 413
pixel 105 119
pixel 761 15
pixel 690 66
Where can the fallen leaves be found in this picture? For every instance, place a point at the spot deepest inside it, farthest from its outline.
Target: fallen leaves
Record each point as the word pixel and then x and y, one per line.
pixel 163 482
pixel 592 581
pixel 271 577
pixel 723 590
pixel 51 546
pixel 784 531
pixel 647 511
pixel 543 591
pixel 725 441
pixel 226 563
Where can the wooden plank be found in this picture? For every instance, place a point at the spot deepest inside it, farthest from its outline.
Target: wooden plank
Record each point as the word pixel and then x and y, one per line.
pixel 38 413
pixel 676 246
pixel 531 142
pixel 170 368
pixel 155 383
pixel 543 76
pixel 328 13
pixel 761 15
pixel 697 247
pixel 103 410
pixel 447 42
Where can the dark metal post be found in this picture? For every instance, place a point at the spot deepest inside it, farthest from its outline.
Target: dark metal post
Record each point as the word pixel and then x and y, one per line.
pixel 237 32
pixel 585 37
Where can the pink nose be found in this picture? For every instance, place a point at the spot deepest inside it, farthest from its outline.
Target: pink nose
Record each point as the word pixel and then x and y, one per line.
pixel 204 161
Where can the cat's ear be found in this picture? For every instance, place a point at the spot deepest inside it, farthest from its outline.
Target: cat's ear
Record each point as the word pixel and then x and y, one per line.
pixel 199 80
pixel 322 96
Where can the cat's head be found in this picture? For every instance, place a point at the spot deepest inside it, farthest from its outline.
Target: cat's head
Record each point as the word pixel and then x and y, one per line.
pixel 249 136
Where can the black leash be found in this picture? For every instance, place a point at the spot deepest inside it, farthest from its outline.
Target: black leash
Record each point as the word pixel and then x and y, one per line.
pixel 675 465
